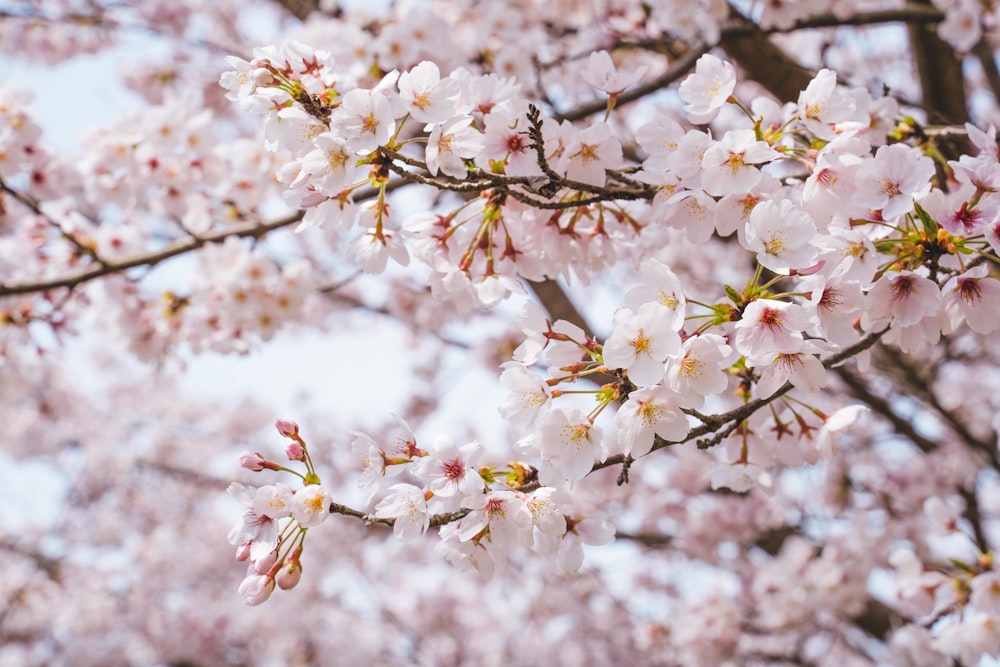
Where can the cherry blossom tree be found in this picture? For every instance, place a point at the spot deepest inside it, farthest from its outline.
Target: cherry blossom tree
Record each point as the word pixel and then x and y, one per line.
pixel 697 305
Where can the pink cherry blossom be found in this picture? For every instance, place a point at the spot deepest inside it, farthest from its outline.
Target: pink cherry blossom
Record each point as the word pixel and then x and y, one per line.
pixel 821 105
pixel 407 506
pixel 640 343
pixel 770 327
pixel 602 74
pixel 310 506
pixel 647 413
pixel 781 234
pixel 973 298
pixel 889 181
pixel 905 297
pixel 708 88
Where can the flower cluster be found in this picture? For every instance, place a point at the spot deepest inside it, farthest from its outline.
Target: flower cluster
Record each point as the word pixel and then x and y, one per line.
pixel 475 128
pixel 272 546
pixel 852 240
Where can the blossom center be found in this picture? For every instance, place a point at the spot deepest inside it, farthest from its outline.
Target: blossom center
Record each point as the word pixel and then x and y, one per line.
pixel 453 469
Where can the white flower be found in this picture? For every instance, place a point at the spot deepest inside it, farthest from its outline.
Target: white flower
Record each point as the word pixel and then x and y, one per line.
pixel 311 505
pixel 708 88
pixel 331 165
pixel 727 165
pixel 646 414
pixel 593 151
pixel 974 298
pixel 699 369
pixel 662 287
pixel 601 73
pixel 594 532
pixel 904 297
pixel 529 394
pixel 449 143
pixel 889 181
pixel 373 250
pixel 273 500
pixel 364 119
pixel 822 105
pixel 800 367
pixel 546 515
pixel 781 234
pixel 407 506
pixel 570 442
pixel 640 343
pixel 768 326
pixel 503 513
pixel 449 469
pixel 426 96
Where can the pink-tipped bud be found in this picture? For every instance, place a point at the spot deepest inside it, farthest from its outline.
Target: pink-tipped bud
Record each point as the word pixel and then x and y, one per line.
pixel 289 575
pixel 289 429
pixel 243 551
pixel 295 452
pixel 253 461
pixel 263 565
pixel 256 588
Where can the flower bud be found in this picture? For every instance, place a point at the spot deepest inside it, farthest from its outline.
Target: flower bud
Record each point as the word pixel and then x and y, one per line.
pixel 295 452
pixel 264 564
pixel 289 429
pixel 256 588
pixel 243 551
pixel 288 576
pixel 253 461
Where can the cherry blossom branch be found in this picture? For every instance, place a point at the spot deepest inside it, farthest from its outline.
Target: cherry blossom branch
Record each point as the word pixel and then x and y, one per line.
pixel 909 13
pixel 987 59
pixel 678 70
pixel 180 247
pixel 712 423
pixel 255 230
pixel 479 179
pixel 34 206
pixel 921 387
pixel 47 564
pixel 881 407
pixel 98 20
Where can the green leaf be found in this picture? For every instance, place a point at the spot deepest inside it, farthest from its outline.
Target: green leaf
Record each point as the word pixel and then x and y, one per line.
pixel 930 226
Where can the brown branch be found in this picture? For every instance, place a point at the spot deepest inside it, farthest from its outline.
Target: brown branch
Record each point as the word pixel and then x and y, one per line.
pixel 881 407
pixel 763 61
pixel 922 388
pixel 34 206
pixel 679 69
pixel 910 14
pixel 255 230
pixel 180 247
pixel 987 59
pixel 941 81
pixel 300 9
pixel 714 422
pixel 45 563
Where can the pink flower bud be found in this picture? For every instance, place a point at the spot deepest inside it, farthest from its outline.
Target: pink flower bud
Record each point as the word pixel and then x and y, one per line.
pixel 243 551
pixel 264 564
pixel 295 452
pixel 288 576
pixel 252 461
pixel 256 588
pixel 289 429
